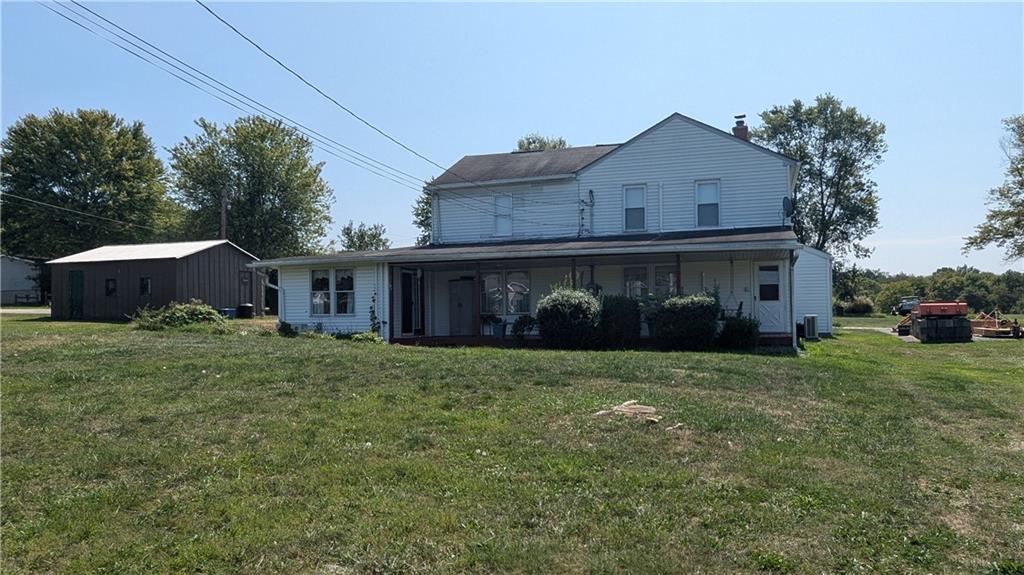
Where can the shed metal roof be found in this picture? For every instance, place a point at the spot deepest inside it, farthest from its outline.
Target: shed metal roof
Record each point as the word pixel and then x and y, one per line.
pixel 172 250
pixel 521 165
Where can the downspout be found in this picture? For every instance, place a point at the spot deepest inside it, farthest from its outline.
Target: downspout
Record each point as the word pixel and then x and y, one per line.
pixel 792 308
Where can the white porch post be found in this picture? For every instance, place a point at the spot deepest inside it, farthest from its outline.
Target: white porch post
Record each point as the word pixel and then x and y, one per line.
pixel 792 300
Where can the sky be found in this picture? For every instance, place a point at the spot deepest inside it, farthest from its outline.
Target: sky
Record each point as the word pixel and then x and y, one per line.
pixel 456 79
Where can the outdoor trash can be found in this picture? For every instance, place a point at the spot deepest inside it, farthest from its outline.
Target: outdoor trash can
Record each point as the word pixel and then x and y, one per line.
pixel 228 312
pixel 245 311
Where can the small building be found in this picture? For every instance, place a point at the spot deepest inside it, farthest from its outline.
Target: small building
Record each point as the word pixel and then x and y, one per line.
pixel 113 282
pixel 18 277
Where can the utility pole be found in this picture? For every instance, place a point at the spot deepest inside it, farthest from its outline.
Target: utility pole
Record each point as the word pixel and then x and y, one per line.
pixel 224 213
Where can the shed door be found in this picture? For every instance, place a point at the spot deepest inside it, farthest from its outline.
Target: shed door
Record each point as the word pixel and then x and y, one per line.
pixel 769 298
pixel 76 293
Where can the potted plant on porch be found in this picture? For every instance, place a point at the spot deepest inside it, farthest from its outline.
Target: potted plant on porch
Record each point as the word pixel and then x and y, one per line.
pixel 496 322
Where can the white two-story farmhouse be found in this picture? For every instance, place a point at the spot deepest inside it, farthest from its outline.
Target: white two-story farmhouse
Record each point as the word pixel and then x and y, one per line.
pixel 680 208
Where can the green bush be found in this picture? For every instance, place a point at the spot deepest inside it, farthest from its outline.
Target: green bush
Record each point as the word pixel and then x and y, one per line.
pixel 367 337
pixel 740 333
pixel 861 305
pixel 285 329
pixel 175 315
pixel 568 319
pixel 687 322
pixel 619 322
pixel 523 325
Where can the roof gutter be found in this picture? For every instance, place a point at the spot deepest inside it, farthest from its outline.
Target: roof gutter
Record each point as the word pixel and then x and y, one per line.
pixel 484 183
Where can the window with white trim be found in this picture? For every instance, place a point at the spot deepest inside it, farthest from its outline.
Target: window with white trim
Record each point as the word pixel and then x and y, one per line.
pixel 708 195
pixel 635 281
pixel 634 203
pixel 503 215
pixel 320 292
pixel 344 292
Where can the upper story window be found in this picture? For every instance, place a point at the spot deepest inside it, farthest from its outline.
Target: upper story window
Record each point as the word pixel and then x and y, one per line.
pixel 635 212
pixel 503 215
pixel 708 196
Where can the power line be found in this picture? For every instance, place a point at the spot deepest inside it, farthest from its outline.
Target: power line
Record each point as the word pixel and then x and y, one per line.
pixel 339 104
pixel 54 206
pixel 235 94
pixel 245 100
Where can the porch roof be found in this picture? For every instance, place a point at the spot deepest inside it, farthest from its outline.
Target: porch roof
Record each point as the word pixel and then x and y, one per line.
pixel 745 239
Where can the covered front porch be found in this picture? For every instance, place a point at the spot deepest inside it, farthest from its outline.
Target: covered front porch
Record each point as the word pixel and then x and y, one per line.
pixel 477 301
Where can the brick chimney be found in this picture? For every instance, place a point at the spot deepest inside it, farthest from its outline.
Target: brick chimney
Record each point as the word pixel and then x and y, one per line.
pixel 740 130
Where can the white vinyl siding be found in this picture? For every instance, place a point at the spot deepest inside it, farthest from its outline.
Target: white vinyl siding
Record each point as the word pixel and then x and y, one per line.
pixel 295 298
pixel 812 287
pixel 672 159
pixel 548 210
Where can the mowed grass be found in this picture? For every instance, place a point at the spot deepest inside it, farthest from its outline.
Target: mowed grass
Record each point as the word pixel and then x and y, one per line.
pixel 170 452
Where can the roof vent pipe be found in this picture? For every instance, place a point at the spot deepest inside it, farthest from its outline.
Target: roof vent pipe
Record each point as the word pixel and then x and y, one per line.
pixel 740 130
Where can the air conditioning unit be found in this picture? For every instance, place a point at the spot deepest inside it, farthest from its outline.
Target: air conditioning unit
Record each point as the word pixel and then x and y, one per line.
pixel 811 327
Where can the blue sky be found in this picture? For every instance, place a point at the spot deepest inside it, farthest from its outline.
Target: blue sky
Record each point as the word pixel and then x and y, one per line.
pixel 454 79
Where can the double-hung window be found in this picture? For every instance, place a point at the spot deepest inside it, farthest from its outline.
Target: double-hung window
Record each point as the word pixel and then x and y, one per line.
pixel 503 215
pixel 635 280
pixel 321 292
pixel 634 215
pixel 344 292
pixel 708 195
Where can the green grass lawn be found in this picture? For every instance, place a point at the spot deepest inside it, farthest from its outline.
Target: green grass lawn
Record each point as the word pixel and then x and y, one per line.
pixel 866 321
pixel 171 452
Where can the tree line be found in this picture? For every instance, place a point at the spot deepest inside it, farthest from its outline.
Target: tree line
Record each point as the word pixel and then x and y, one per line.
pixel 983 291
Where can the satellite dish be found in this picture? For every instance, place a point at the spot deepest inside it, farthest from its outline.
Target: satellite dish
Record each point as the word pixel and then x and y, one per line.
pixel 787 206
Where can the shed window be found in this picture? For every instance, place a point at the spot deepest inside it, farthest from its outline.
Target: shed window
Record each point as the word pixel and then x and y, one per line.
pixel 502 215
pixel 111 287
pixel 321 292
pixel 635 281
pixel 635 215
pixel 145 286
pixel 707 204
pixel 344 292
pixel 665 278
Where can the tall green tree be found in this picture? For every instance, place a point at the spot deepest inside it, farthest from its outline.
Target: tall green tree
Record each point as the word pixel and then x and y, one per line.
pixel 89 161
pixel 1004 223
pixel 535 143
pixel 277 202
pixel 836 199
pixel 363 238
pixel 423 216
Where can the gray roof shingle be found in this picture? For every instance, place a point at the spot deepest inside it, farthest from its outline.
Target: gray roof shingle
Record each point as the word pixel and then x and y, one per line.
pixel 521 165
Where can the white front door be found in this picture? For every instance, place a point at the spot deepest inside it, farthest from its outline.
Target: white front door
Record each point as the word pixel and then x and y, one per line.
pixel 768 288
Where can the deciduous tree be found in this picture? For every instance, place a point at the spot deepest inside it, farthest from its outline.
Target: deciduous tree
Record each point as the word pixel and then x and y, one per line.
pixel 88 161
pixel 363 237
pixel 836 199
pixel 1004 223
pixel 535 142
pixel 277 202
